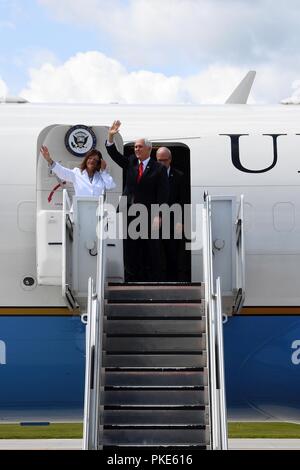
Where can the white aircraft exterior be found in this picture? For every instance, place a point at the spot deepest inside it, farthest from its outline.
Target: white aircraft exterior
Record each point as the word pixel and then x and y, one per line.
pixel 227 150
pixel 263 164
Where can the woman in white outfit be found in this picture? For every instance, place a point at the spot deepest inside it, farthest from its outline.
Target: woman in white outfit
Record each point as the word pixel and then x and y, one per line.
pixel 91 179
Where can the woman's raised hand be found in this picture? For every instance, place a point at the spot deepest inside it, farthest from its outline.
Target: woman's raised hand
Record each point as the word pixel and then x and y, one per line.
pixel 46 154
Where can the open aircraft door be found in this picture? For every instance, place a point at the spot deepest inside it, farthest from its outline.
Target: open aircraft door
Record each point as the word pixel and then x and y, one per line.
pixel 59 262
pixel 228 248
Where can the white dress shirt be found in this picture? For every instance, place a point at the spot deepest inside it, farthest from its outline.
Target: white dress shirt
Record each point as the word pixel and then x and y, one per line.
pixel 145 163
pixel 82 185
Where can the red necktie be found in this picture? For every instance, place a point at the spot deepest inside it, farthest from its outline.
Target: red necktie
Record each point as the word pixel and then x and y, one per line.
pixel 140 172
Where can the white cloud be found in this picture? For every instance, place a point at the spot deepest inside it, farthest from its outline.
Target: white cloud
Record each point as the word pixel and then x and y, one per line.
pixel 3 89
pixel 183 37
pixel 272 81
pixel 183 32
pixel 295 97
pixel 92 77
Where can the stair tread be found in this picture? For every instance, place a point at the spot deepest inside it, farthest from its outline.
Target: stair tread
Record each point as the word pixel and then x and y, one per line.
pixel 155 378
pixel 154 344
pixel 161 398
pixel 155 417
pixel 154 292
pixel 155 309
pixel 151 283
pixel 154 360
pixel 150 437
pixel 153 327
pixel 154 284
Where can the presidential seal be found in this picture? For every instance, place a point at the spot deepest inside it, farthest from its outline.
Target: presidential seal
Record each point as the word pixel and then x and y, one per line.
pixel 80 139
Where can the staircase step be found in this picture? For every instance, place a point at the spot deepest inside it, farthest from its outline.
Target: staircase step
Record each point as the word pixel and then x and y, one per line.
pixel 154 360
pixel 153 327
pixel 173 417
pixel 153 437
pixel 153 344
pixel 162 397
pixel 155 309
pixel 156 378
pixel 154 292
pixel 154 283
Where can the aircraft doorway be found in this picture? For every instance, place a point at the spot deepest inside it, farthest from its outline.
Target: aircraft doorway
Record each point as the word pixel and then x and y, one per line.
pixel 181 162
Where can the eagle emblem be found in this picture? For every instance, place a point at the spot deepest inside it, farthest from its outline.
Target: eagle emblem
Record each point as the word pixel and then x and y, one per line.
pixel 80 139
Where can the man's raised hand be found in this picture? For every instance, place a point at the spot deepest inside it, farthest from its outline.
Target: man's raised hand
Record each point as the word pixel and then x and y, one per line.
pixel 113 130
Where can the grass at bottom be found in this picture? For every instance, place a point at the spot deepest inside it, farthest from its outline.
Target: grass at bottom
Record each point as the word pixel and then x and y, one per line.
pixel 268 430
pixel 51 431
pixel 74 431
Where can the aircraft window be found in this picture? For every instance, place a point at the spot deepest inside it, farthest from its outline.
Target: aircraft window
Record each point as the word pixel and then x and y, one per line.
pixel 284 217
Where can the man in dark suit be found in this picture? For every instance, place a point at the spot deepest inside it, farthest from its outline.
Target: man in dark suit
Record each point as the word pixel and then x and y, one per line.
pixel 147 184
pixel 173 247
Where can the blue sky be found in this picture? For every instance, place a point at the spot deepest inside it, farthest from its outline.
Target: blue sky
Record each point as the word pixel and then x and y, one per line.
pixel 29 33
pixel 190 51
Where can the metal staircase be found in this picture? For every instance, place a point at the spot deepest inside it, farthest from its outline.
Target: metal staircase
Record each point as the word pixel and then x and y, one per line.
pixel 154 364
pixel 155 367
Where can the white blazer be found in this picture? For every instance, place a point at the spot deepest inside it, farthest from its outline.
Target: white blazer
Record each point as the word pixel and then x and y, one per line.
pixel 81 182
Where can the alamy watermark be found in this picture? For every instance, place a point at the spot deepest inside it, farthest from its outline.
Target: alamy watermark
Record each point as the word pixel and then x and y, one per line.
pixel 155 222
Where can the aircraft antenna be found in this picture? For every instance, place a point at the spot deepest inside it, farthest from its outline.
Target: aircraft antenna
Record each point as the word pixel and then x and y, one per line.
pixel 241 93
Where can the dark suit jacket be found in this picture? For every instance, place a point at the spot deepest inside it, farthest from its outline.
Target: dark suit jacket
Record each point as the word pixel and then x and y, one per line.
pixel 177 189
pixel 177 194
pixel 153 187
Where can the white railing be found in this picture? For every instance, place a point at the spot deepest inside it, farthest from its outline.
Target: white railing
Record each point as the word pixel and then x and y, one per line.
pixel 215 353
pixel 67 240
pixel 240 258
pixel 89 428
pixel 92 423
pixel 221 372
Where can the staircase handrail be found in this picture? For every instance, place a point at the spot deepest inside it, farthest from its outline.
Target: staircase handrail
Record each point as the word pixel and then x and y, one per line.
pixel 89 427
pixel 240 258
pixel 217 403
pixel 210 323
pixel 220 369
pixel 67 225
pixel 93 394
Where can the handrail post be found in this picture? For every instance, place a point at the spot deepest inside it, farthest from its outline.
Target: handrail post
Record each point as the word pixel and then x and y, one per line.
pixel 240 257
pixel 67 238
pixel 221 372
pixel 89 395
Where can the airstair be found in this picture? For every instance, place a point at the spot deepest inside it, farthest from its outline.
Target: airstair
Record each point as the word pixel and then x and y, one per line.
pixel 154 361
pixel 154 367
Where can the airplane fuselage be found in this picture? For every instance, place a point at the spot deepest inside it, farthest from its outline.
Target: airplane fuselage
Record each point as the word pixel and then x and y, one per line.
pixel 231 150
